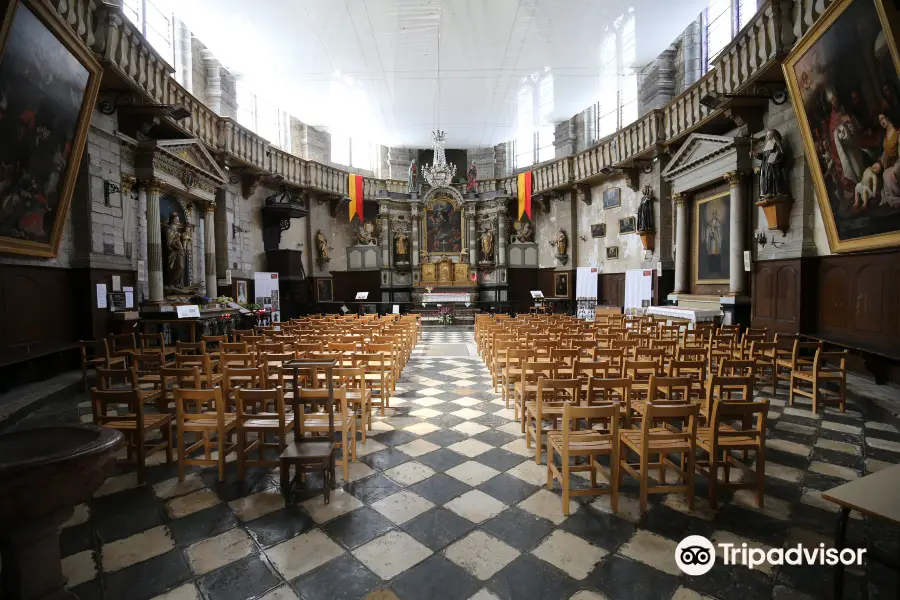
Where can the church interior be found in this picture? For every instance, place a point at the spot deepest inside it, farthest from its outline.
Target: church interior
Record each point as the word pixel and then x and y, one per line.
pixel 402 299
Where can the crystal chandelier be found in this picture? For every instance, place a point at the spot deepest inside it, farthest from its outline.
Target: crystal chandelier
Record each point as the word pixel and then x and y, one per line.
pixel 439 173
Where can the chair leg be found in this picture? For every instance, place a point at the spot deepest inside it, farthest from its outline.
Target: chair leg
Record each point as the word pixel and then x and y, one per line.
pixel 564 483
pixel 760 478
pixel 614 479
pixel 221 457
pixel 168 434
pixel 181 457
pixel 689 475
pixel 241 456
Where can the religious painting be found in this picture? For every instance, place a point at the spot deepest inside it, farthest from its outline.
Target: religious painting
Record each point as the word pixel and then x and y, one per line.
pixel 324 290
pixel 598 230
pixel 612 253
pixel 627 225
pixel 712 239
pixel 177 245
pixel 443 226
pixel 612 197
pixel 843 80
pixel 561 285
pixel 240 295
pixel 48 86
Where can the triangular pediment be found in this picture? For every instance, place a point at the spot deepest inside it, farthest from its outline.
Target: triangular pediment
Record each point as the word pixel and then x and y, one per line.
pixel 192 152
pixel 697 149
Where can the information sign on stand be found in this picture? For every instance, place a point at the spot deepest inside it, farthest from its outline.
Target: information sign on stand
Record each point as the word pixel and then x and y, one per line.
pixel 188 311
pixel 362 295
pixel 537 294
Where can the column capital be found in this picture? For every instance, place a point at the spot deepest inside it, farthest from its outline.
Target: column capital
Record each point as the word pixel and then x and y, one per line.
pixel 734 178
pixel 679 198
pixel 211 206
pixel 128 183
pixel 155 187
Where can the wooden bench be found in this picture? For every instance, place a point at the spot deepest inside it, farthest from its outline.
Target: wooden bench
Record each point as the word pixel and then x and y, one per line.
pixel 18 360
pixel 878 362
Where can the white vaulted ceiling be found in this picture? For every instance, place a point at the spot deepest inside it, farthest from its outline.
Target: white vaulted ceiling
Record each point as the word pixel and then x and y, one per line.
pixel 393 70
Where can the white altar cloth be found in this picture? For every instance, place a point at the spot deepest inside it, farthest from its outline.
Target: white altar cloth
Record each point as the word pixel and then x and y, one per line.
pixel 440 297
pixel 694 315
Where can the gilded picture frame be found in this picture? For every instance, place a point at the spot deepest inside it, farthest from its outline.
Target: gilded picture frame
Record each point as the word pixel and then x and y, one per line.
pixel 324 290
pixel 444 239
pixel 612 198
pixel 627 225
pixel 711 216
pixel 35 204
pixel 561 285
pixel 832 97
pixel 612 253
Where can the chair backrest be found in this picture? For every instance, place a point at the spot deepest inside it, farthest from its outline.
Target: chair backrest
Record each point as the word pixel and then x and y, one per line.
pixel 731 419
pixel 763 352
pixel 804 350
pixel 657 355
pixel 718 385
pixel 185 377
pixel 107 378
pixel 147 364
pixel 585 369
pixel 122 341
pixel 250 377
pixel 266 347
pixel 535 370
pixel 151 341
pixel 194 348
pixel 661 412
pixel 834 361
pixel 104 400
pixel 641 370
pixel 264 404
pixel 202 361
pixel 558 390
pixel 737 368
pixel 604 390
pixel 692 354
pixel 192 404
pixel 669 389
pixel 238 334
pixel 564 355
pixel 234 348
pixel 574 415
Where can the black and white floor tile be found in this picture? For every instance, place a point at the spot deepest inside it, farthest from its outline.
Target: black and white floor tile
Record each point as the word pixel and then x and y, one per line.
pixel 447 502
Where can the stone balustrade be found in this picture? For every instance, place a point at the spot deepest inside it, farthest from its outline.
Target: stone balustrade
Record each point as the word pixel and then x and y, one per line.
pixel 776 26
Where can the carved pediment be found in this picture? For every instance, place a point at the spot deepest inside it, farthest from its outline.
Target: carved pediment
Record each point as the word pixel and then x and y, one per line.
pixel 192 152
pixel 698 148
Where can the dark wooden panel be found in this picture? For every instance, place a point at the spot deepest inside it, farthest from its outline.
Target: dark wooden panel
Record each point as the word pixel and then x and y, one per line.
pixel 37 305
pixel 611 289
pixel 665 285
pixel 787 279
pixel 348 283
pixel 764 292
pixel 868 296
pixel 776 296
pixel 521 282
pixel 834 302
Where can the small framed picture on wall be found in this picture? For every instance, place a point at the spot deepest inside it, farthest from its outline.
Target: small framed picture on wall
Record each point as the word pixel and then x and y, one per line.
pixel 627 225
pixel 612 253
pixel 598 230
pixel 324 290
pixel 561 285
pixel 612 198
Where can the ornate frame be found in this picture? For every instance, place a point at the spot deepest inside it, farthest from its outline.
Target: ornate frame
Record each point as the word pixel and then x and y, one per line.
pixel 889 18
pixel 84 56
pixel 556 278
pixel 695 239
pixel 454 197
pixel 618 198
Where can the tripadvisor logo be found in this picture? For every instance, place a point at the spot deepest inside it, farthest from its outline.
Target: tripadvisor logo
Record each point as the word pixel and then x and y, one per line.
pixel 696 555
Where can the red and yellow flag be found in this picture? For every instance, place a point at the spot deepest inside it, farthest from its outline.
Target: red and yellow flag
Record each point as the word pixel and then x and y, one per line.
pixel 524 186
pixel 355 188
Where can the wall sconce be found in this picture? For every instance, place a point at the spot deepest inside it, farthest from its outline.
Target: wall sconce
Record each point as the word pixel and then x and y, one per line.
pixel 760 91
pixel 552 243
pixel 761 240
pixel 109 188
pixel 582 238
pixel 236 229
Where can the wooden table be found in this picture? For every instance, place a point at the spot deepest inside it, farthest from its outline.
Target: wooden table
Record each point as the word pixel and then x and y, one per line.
pixel 877 496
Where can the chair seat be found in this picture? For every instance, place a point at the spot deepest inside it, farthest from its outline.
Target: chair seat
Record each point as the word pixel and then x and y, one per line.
pixel 546 409
pixel 808 375
pixel 632 439
pixel 705 436
pixel 211 422
pixel 115 360
pixel 318 422
pixel 271 423
pixel 308 450
pixel 150 422
pixel 582 442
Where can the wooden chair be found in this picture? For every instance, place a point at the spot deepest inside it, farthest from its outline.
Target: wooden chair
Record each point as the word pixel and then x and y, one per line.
pixel 122 345
pixel 719 388
pixel 526 387
pixel 655 440
pixel 203 412
pixel 552 395
pixel 107 378
pixel 572 443
pixel 238 334
pixel 721 347
pixel 172 377
pixel 615 358
pixel 359 397
pixel 512 372
pixel 693 369
pixel 738 368
pixel 208 376
pixel 763 354
pixel 261 412
pixel 693 354
pixel 214 344
pixel 802 355
pixel 721 438
pixel 341 419
pixel 135 425
pixel 241 377
pixel 663 390
pixel 96 355
pixel 640 373
pixel 827 367
pixel 565 359
pixel 190 348
pixel 155 343
pixel 601 391
pixel 378 378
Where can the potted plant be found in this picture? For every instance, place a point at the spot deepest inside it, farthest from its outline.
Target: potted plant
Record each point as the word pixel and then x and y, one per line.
pixel 445 315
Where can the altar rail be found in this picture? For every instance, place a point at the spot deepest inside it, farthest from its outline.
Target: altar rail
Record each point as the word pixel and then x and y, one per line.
pixel 774 29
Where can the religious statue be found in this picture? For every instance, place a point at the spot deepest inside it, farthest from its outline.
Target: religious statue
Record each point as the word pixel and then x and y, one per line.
pixel 487 245
pixel 178 239
pixel 366 234
pixel 713 241
pixel 523 232
pixel 413 177
pixel 471 177
pixel 322 246
pixel 562 243
pixel 401 247
pixel 645 219
pixel 771 171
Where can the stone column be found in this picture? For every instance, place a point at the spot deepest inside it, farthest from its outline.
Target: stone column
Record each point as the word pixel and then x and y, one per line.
pixel 414 214
pixel 682 251
pixel 154 244
pixel 387 243
pixel 737 232
pixel 209 249
pixel 143 286
pixel 469 212
pixel 501 234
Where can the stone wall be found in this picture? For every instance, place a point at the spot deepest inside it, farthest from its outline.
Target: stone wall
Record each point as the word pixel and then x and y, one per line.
pixel 339 235
pixel 198 72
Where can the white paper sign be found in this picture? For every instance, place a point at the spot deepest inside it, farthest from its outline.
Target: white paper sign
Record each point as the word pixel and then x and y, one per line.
pixel 746 260
pixel 659 268
pixel 129 296
pixel 141 270
pixel 537 294
pixel 186 312
pixel 116 283
pixel 344 309
pixel 362 295
pixel 101 295
pixel 396 309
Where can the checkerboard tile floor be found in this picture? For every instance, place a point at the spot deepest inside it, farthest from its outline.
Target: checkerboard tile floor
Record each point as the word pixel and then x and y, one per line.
pixel 446 502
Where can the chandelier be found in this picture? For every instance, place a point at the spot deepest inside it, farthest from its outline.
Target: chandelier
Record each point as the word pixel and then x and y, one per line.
pixel 439 173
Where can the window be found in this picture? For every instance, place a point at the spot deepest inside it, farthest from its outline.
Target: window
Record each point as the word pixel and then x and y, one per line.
pixel 546 129
pixel 340 149
pixel 618 94
pixel 264 118
pixel 524 146
pixel 361 154
pixel 722 21
pixel 154 19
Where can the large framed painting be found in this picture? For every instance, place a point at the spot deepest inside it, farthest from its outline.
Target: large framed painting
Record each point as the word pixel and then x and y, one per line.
pixel 48 83
pixel 443 226
pixel 324 290
pixel 844 86
pixel 612 197
pixel 712 239
pixel 561 285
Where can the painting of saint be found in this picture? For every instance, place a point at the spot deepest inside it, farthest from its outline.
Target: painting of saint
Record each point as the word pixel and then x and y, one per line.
pixel 443 227
pixel 48 85
pixel 844 85
pixel 712 240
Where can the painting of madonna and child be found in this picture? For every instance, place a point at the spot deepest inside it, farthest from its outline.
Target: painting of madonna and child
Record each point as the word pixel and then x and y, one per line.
pixel 47 90
pixel 845 89
pixel 443 227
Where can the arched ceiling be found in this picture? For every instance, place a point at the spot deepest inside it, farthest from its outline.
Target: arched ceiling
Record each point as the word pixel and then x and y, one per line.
pixel 393 70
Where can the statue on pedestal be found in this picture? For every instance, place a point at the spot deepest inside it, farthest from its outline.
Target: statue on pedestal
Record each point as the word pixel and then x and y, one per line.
pixel 366 234
pixel 771 171
pixel 646 221
pixel 413 177
pixel 401 248
pixel 562 242
pixel 322 246
pixel 471 177
pixel 523 232
pixel 177 241
pixel 487 246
